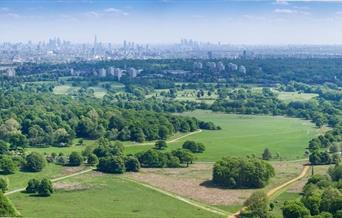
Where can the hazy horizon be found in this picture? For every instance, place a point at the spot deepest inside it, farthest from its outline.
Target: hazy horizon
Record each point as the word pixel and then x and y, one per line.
pixel 168 21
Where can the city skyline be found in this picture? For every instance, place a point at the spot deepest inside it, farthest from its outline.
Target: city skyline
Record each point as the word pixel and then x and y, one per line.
pixel 168 21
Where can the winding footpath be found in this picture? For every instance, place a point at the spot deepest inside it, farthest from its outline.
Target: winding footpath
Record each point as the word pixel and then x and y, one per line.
pixel 170 141
pixel 273 191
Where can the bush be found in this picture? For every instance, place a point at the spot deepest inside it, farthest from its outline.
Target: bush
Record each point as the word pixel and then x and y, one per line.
pixel 132 164
pixel 194 147
pixel 7 209
pixel 294 209
pixel 45 188
pixel 32 186
pixel 237 172
pixel 256 205
pixel 111 164
pixel 152 158
pixel 92 159
pixel 160 144
pixel 35 162
pixel 3 184
pixel 184 156
pixel 7 165
pixel 75 159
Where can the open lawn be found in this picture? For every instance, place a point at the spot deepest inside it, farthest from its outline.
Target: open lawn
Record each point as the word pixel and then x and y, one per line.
pixel 295 96
pixel 20 179
pixel 246 135
pixel 103 195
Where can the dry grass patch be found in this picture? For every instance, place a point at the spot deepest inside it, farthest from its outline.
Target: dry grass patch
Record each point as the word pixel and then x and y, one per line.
pixel 70 186
pixel 194 182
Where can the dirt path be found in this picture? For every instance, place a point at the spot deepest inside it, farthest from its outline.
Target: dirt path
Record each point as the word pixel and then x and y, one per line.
pixel 53 180
pixel 170 141
pixel 188 201
pixel 273 191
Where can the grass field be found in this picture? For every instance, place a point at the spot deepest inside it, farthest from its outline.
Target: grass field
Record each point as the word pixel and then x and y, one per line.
pixel 295 96
pixel 20 179
pixel 245 135
pixel 103 195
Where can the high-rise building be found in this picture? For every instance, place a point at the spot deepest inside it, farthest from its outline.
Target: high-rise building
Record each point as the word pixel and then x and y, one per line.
pixel 242 69
pixel 102 72
pixel 220 66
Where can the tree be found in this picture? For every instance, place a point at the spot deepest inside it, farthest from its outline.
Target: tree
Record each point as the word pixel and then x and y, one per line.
pixel 163 132
pixel 3 147
pixel 75 159
pixel 3 184
pixel 111 164
pixel 35 162
pixel 132 164
pixel 7 165
pixel 160 144
pixel 194 146
pixel 92 159
pixel 295 209
pixel 239 172
pixel 184 156
pixel 45 188
pixel 6 207
pixel 152 158
pixel 266 155
pixel 257 205
pixel 32 186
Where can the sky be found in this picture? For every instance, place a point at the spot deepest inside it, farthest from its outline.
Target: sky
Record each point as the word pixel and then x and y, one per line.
pixel 167 21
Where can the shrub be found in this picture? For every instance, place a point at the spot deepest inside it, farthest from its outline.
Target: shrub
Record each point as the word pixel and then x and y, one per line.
pixel 32 186
pixel 45 188
pixel 92 159
pixel 7 165
pixel 194 146
pixel 237 172
pixel 3 184
pixel 256 205
pixel 111 164
pixel 294 209
pixel 132 164
pixel 160 144
pixel 35 162
pixel 7 209
pixel 75 159
pixel 152 158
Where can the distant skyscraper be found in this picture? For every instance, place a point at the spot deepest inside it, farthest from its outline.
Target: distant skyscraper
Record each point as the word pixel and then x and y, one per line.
pixel 210 55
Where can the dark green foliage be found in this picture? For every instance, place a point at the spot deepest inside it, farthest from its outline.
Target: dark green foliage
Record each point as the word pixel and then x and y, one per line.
pixel 194 147
pixel 237 172
pixel 266 155
pixel 7 165
pixel 92 159
pixel 335 172
pixel 256 205
pixel 35 162
pixel 45 188
pixel 111 164
pixel 160 144
pixel 7 209
pixel 152 158
pixel 295 209
pixel 32 186
pixel 3 184
pixel 184 156
pixel 4 146
pixel 132 164
pixel 75 159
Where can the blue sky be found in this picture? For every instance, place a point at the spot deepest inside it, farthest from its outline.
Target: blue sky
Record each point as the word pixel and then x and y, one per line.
pixel 166 21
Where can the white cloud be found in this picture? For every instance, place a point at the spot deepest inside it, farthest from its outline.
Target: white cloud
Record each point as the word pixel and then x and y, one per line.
pixel 4 9
pixel 116 11
pixel 290 11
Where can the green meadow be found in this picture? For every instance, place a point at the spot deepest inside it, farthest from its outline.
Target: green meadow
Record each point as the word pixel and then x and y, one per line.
pixel 248 134
pixel 104 195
